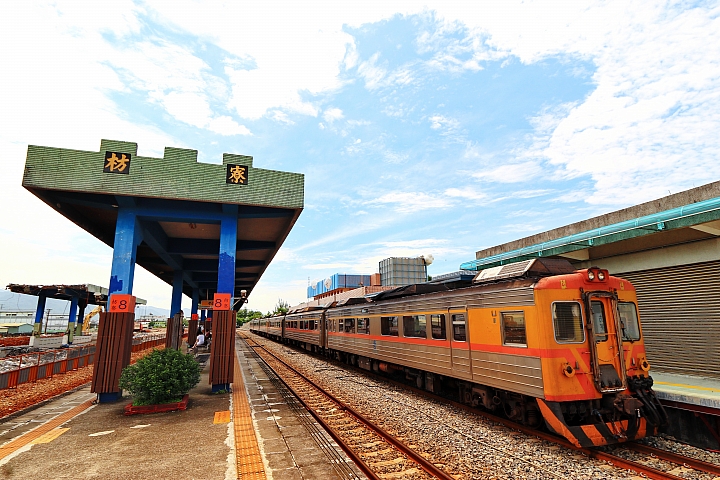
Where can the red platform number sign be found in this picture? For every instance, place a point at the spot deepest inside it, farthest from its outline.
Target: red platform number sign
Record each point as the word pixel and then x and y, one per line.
pixel 194 316
pixel 221 301
pixel 122 303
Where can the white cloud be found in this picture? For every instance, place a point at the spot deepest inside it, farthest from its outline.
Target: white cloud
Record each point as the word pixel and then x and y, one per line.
pixel 409 202
pixel 511 173
pixel 467 193
pixel 332 114
pixel 225 125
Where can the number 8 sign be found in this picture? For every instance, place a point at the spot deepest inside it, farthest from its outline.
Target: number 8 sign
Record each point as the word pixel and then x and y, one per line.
pixel 122 303
pixel 221 301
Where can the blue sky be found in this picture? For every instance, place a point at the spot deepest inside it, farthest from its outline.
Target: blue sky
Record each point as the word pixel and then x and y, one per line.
pixel 421 128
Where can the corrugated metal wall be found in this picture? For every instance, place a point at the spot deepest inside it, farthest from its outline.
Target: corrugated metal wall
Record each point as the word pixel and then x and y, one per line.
pixel 680 314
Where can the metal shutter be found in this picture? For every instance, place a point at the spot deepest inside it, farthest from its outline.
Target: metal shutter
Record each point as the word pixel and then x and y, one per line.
pixel 680 315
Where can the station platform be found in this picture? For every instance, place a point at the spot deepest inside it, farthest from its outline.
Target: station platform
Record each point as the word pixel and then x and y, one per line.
pixel 259 431
pixel 693 404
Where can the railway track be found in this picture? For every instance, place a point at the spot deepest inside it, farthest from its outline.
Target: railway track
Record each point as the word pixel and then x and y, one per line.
pixel 614 455
pixel 600 454
pixel 376 452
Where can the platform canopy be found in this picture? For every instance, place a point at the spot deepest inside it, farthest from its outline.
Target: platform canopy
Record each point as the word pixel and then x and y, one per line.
pixel 177 205
pixel 89 293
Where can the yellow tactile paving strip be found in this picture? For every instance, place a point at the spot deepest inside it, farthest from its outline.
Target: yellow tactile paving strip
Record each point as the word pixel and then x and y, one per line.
pixel 14 445
pixel 50 436
pixel 247 450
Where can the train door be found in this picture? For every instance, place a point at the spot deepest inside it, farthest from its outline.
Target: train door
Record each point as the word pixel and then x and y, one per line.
pixel 459 342
pixel 605 337
pixel 323 330
pixel 282 327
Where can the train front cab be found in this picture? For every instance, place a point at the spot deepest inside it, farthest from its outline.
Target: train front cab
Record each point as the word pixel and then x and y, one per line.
pixel 597 389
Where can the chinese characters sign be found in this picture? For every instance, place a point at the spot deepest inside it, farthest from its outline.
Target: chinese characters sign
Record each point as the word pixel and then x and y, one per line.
pixel 122 303
pixel 116 162
pixel 237 174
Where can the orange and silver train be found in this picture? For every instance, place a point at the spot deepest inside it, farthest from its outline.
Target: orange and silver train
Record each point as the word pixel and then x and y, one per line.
pixel 534 340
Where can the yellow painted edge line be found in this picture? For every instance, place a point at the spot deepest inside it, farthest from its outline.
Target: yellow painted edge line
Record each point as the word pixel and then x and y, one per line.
pixel 16 444
pixel 222 417
pixel 682 385
pixel 50 436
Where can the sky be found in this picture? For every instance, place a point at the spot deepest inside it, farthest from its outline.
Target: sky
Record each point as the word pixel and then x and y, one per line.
pixel 421 127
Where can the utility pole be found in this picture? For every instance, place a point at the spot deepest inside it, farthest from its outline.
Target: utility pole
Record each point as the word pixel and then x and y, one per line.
pixel 47 319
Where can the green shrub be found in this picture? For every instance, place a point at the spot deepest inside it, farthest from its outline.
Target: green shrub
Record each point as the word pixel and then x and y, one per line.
pixel 163 376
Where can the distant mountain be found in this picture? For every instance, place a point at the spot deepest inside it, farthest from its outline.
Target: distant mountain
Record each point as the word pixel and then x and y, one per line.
pixel 10 301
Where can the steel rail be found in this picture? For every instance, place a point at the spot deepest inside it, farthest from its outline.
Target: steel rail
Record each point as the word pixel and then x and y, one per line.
pixel 618 461
pixel 675 458
pixel 426 465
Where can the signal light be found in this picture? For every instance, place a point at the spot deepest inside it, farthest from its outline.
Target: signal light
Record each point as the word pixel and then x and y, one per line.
pixel 601 275
pixel 591 275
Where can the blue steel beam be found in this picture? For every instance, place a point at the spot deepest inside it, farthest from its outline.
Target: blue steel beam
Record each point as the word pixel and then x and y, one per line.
pixel 201 246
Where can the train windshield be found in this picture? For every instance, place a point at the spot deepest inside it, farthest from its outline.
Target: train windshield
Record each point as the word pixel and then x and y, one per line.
pixel 599 324
pixel 567 322
pixel 629 321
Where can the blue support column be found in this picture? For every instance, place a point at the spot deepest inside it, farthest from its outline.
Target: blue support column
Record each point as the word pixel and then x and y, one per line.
pixel 72 318
pixel 127 237
pixel 195 301
pixel 223 324
pixel 81 317
pixel 39 313
pixel 202 315
pixel 228 247
pixel 176 304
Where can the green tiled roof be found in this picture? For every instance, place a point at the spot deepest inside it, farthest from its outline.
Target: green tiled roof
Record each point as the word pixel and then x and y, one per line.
pixel 176 176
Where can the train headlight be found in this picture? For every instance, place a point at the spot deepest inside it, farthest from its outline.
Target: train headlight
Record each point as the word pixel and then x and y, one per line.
pixel 591 275
pixel 601 276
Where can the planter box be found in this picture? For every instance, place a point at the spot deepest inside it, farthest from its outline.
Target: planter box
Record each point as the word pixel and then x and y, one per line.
pixel 165 407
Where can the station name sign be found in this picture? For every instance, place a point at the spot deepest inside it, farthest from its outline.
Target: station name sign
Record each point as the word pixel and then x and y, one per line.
pixel 117 162
pixel 236 174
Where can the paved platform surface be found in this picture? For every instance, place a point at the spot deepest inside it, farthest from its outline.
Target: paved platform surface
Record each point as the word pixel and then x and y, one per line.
pixel 68 438
pixel 689 390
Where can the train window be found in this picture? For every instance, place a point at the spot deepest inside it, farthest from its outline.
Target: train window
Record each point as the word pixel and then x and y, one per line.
pixel 458 321
pixel 415 326
pixel 629 321
pixel 599 325
pixel 312 325
pixel 437 323
pixel 567 322
pixel 341 325
pixel 349 325
pixel 513 325
pixel 389 326
pixel 363 325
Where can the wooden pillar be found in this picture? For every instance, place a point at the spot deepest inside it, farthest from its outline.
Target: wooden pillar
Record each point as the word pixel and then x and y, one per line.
pixel 112 353
pixel 222 350
pixel 192 331
pixel 173 331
